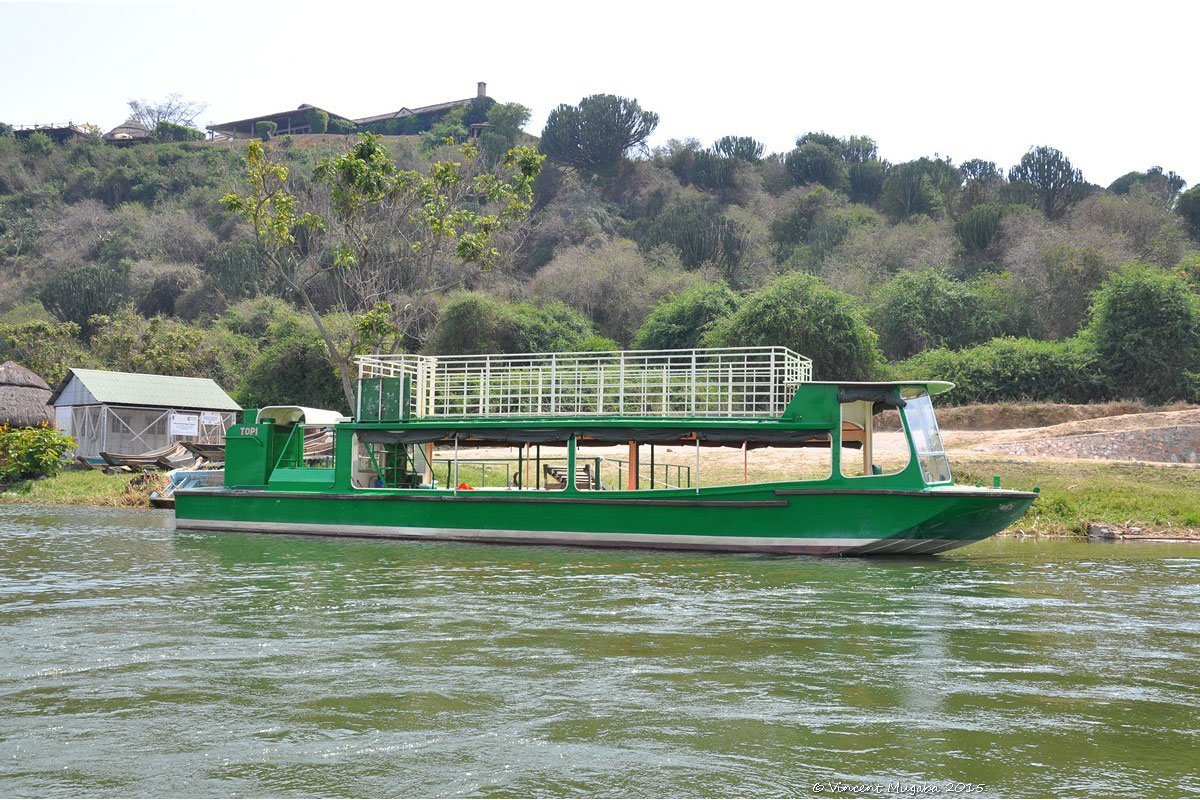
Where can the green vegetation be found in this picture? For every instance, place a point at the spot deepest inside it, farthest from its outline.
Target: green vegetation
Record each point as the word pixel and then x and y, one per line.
pixel 1014 280
pixel 31 452
pixel 801 312
pixel 596 134
pixel 1076 493
pixel 1146 328
pixel 318 120
pixel 79 488
pixel 683 320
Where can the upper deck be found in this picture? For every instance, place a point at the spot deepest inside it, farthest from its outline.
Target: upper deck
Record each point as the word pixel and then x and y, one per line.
pixel 731 383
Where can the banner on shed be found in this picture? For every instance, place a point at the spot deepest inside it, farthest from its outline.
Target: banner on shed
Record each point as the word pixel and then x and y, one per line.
pixel 210 418
pixel 184 425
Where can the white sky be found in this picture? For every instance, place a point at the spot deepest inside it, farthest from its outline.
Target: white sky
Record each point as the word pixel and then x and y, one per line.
pixel 1113 86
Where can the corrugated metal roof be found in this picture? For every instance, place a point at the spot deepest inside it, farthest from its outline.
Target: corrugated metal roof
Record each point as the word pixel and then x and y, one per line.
pixel 159 391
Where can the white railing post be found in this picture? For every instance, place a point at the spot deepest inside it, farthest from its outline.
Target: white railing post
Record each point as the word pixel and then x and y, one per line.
pixel 692 392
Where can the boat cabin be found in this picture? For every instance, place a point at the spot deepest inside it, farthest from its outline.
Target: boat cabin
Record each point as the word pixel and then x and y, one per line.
pixel 673 421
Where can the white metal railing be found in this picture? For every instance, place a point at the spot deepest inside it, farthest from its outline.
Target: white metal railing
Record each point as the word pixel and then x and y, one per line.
pixel 724 382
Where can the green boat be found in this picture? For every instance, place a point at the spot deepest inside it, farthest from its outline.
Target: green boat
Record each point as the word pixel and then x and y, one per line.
pixel 732 449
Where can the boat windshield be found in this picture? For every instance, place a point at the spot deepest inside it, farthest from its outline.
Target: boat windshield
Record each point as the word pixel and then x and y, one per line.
pixel 927 440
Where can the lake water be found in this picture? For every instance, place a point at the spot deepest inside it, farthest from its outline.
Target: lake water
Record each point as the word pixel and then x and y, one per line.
pixel 138 661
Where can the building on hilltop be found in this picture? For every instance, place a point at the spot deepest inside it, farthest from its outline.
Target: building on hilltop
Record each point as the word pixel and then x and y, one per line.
pixel 59 133
pixel 125 412
pixel 408 121
pixel 128 132
pixel 301 120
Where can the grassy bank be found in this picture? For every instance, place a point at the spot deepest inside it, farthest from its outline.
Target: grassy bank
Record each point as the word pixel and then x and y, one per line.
pixel 84 488
pixel 1077 492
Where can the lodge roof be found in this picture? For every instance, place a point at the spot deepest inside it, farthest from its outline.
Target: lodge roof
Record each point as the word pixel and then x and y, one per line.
pixel 136 389
pixel 129 129
pixel 415 112
pixel 216 126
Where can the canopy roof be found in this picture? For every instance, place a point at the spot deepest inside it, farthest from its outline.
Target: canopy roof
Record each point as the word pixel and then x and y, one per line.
pixel 933 387
pixel 100 387
pixel 287 415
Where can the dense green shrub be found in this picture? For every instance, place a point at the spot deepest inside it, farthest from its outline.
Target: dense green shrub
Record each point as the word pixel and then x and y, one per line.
pixel 477 110
pixel 38 144
pixel 815 163
pixel 1189 270
pixel 292 370
pixel 170 132
pixel 866 181
pixel 793 226
pixel 700 232
pixel 265 129
pixel 712 172
pixel 75 295
pixel 809 231
pixel 476 323
pixel 48 348
pixel 1188 207
pixel 503 131
pixel 1146 329
pixel 909 190
pixel 1006 370
pixel 158 295
pixel 236 268
pixel 318 120
pixel 744 147
pixel 682 321
pixel 128 343
pixel 801 312
pixel 978 227
pixel 36 452
pixel 340 125
pixel 918 311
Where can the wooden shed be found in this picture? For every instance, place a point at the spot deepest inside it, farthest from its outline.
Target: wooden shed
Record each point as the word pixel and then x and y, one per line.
pixel 126 412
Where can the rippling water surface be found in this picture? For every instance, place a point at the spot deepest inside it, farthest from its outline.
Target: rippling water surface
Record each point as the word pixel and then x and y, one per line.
pixel 138 661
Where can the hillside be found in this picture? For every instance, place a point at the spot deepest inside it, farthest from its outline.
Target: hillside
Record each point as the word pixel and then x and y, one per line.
pixel 1012 285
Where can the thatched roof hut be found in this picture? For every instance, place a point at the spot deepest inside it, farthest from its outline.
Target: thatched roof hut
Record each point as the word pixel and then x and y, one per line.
pixel 24 397
pixel 129 130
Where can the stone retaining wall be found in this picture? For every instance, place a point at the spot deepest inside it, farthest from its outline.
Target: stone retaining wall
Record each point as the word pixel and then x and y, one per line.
pixel 1177 444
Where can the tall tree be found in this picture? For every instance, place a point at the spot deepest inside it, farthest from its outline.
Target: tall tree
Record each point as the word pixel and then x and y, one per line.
pixel 909 190
pixel 1188 207
pixel 173 108
pixel 1166 186
pixel 1054 182
pixel 596 134
pixel 813 162
pixel 454 210
pixel 746 148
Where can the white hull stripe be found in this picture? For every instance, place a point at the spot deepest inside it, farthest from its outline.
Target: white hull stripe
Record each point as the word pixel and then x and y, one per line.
pixel 742 543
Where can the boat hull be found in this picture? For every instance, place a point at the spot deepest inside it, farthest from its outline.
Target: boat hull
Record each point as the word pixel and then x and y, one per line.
pixel 765 519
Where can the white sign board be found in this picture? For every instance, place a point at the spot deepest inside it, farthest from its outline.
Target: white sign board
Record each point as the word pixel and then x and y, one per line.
pixel 210 418
pixel 184 425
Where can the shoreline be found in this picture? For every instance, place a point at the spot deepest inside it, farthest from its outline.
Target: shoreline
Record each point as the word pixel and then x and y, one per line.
pixel 1083 499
